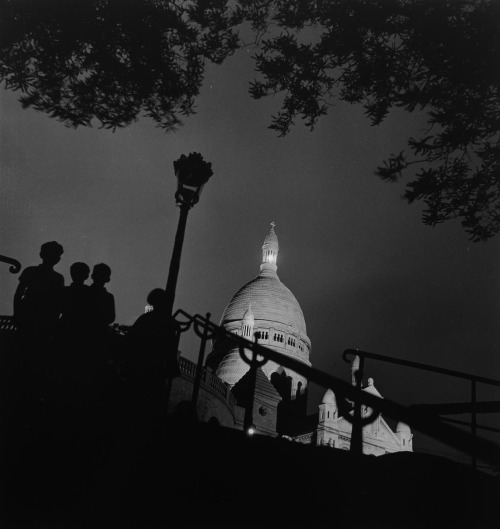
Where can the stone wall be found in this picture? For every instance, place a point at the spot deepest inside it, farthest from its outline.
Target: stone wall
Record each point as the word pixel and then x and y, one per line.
pixel 215 399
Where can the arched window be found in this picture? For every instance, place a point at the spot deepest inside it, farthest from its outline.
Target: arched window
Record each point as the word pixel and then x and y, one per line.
pixel 278 337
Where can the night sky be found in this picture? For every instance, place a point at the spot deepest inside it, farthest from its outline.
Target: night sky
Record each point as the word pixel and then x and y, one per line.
pixel 365 270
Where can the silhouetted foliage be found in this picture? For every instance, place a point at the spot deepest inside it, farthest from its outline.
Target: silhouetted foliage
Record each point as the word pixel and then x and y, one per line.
pixel 420 54
pixel 112 60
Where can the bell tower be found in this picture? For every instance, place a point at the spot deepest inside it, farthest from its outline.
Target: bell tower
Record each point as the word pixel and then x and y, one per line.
pixel 270 250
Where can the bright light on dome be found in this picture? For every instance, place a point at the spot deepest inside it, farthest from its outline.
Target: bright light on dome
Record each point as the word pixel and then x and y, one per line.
pixel 270 258
pixel 251 430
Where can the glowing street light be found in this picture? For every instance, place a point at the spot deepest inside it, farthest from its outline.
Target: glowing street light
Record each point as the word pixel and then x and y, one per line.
pixel 251 430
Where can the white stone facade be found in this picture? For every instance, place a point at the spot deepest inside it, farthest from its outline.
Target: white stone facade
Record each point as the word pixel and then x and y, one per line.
pixel 378 437
pixel 271 310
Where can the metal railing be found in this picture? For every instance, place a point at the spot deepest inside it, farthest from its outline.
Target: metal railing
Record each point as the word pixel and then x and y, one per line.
pixel 422 418
pixel 473 407
pixel 417 418
pixel 15 265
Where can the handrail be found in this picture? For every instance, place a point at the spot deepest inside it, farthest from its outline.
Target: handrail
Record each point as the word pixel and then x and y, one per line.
pixel 478 426
pixel 427 423
pixel 419 365
pixel 474 408
pixel 419 419
pixel 15 264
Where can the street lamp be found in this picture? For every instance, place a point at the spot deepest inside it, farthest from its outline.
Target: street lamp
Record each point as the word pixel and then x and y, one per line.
pixel 192 174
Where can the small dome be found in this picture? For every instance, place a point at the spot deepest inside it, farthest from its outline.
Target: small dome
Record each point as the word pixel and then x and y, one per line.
pixel 248 317
pixel 402 427
pixel 355 363
pixel 329 397
pixel 370 388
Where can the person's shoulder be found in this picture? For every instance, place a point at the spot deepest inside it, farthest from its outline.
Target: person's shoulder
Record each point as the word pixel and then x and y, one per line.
pixel 108 295
pixel 57 277
pixel 138 328
pixel 29 272
pixel 140 320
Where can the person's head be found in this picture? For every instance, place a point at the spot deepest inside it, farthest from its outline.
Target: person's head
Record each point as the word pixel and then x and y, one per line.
pixel 101 274
pixel 157 298
pixel 50 253
pixel 79 272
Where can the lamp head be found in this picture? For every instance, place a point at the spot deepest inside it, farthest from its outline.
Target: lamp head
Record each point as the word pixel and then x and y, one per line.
pixel 192 174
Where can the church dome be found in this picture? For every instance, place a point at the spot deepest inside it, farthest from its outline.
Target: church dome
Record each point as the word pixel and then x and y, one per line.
pixel 403 428
pixel 278 321
pixel 271 301
pixel 329 397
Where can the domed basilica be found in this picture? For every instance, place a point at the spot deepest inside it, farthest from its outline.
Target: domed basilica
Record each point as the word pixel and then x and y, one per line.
pixel 266 311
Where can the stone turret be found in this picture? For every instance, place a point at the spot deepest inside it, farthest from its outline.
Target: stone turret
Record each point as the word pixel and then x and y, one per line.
pixel 405 437
pixel 247 324
pixel 328 413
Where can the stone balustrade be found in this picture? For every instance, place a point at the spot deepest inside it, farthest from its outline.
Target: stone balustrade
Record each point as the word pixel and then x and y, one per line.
pixel 209 381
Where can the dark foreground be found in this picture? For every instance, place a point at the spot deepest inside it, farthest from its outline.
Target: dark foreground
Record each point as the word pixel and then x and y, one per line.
pixel 87 452
pixel 203 475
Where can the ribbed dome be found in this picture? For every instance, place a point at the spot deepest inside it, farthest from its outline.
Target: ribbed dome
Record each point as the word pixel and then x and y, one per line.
pixel 278 323
pixel 271 301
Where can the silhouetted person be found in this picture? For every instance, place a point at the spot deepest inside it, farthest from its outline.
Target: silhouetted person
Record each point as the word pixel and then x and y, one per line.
pixel 74 341
pixel 76 307
pixel 38 297
pixel 102 302
pixel 150 337
pixel 37 307
pixel 151 359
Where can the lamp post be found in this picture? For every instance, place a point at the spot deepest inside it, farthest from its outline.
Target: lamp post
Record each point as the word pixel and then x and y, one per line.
pixel 192 174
